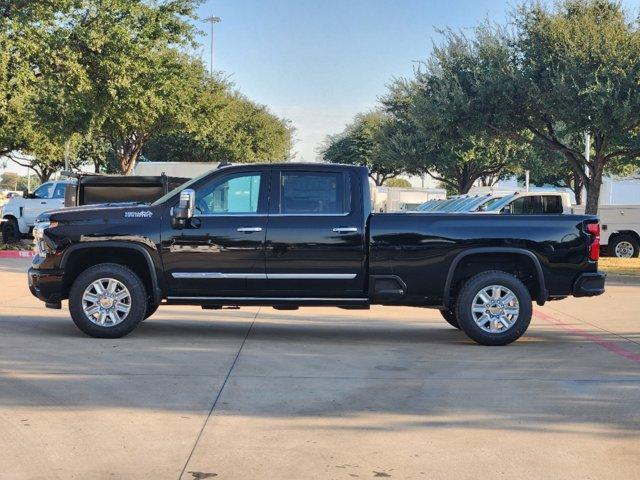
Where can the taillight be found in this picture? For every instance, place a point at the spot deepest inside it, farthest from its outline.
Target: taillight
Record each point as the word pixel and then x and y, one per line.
pixel 594 249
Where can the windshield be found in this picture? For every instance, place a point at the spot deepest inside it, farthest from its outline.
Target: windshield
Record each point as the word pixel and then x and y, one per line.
pixel 187 184
pixel 497 205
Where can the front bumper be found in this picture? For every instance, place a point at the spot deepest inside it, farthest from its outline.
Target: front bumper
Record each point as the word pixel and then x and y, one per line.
pixel 589 284
pixel 46 285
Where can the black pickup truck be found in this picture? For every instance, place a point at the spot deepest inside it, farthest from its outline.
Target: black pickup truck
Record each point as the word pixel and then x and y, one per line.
pixel 290 235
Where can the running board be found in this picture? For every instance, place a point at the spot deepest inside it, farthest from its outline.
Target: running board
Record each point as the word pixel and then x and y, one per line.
pixel 270 301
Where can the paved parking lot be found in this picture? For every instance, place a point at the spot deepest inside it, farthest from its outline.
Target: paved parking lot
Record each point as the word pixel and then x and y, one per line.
pixel 319 393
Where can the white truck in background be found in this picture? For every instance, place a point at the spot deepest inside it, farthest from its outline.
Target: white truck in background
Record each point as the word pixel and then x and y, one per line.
pixel 20 212
pixel 619 229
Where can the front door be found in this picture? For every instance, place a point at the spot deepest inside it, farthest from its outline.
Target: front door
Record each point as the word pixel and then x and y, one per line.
pixel 222 246
pixel 316 235
pixel 40 202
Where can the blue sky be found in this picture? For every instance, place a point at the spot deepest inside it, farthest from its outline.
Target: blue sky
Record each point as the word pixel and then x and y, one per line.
pixel 318 63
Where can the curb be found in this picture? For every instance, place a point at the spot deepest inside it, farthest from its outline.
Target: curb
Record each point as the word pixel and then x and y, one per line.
pixel 17 253
pixel 622 280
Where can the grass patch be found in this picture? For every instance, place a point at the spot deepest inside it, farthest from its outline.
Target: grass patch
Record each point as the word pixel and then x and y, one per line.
pixel 620 266
pixel 22 245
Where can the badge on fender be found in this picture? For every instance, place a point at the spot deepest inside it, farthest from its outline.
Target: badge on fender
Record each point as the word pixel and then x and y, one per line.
pixel 138 214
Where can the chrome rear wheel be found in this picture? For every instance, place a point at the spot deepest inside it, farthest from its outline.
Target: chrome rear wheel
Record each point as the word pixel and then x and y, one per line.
pixel 495 309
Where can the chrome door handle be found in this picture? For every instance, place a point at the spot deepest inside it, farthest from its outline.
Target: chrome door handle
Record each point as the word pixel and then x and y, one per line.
pixel 249 229
pixel 345 229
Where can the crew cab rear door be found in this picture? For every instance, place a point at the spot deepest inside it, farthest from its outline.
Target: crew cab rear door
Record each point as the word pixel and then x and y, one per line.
pixel 316 239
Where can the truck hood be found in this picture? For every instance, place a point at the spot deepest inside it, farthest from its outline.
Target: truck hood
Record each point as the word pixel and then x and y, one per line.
pixel 104 211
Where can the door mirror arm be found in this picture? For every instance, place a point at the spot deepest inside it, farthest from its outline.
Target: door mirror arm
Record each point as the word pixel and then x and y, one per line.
pixel 183 212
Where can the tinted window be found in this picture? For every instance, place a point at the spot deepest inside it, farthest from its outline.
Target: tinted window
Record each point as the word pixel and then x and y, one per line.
pixel 43 191
pixel 237 193
pixel 526 205
pixel 313 193
pixel 551 204
pixel 59 190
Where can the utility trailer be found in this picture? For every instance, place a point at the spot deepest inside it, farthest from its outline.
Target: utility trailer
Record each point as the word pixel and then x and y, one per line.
pixel 93 189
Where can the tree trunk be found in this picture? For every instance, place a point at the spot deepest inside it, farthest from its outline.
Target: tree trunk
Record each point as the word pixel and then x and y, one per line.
pixel 576 186
pixel 594 185
pixel 377 179
pixel 129 152
pixel 464 185
pixel 44 175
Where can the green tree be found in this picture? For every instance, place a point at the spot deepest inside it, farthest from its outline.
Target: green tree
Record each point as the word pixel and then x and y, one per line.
pixel 141 84
pixel 9 181
pixel 398 183
pixel 363 142
pixel 424 136
pixel 565 70
pixel 224 126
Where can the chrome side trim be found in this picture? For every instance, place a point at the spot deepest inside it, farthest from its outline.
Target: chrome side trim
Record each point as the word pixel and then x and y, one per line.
pixel 267 276
pixel 346 214
pixel 222 215
pixel 204 275
pixel 274 299
pixel 311 276
pixel 248 229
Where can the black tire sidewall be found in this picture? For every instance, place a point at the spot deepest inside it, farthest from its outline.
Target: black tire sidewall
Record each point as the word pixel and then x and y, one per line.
pixel 625 238
pixel 151 309
pixel 129 279
pixel 450 317
pixel 465 300
pixel 10 231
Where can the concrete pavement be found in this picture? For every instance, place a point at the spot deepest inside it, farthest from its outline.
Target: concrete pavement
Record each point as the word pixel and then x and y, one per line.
pixel 319 393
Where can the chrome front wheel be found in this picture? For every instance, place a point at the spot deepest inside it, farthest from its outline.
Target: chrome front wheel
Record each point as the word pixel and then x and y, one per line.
pixel 106 302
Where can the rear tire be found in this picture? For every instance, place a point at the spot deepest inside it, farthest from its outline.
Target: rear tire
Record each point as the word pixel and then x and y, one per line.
pixel 450 317
pixel 624 246
pixel 10 231
pixel 92 316
pixel 494 319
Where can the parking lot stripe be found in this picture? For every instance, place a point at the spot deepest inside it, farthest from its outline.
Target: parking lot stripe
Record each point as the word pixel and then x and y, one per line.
pixel 592 337
pixel 215 401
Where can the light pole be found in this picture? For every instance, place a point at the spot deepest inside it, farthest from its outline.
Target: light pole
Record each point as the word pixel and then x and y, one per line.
pixel 212 20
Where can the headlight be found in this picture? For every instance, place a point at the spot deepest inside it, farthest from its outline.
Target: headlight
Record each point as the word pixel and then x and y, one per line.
pixel 41 245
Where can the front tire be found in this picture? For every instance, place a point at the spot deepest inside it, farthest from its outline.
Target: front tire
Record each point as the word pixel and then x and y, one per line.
pixel 624 246
pixel 10 231
pixel 494 308
pixel 107 301
pixel 151 309
pixel 450 317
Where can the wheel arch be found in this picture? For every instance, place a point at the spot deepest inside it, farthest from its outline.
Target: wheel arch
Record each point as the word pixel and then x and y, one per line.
pixel 620 233
pixel 134 256
pixel 501 255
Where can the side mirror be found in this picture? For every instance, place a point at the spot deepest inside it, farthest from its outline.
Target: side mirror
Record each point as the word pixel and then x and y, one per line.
pixel 506 210
pixel 26 194
pixel 70 199
pixel 482 208
pixel 184 210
